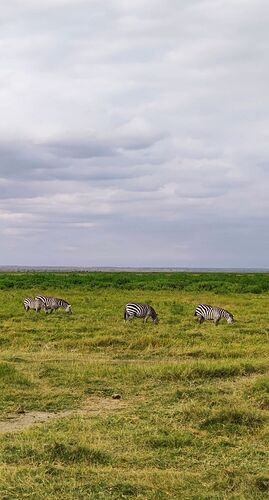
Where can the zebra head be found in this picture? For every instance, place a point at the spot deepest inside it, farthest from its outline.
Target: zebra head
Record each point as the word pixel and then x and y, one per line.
pixel 230 319
pixel 154 316
pixel 68 309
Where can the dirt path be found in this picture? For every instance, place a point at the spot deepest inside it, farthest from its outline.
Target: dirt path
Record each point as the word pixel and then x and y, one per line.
pixel 91 407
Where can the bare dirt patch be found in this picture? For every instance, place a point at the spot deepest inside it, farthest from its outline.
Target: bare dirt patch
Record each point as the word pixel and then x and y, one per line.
pixel 91 407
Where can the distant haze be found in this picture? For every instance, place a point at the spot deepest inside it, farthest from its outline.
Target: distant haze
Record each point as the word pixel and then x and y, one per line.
pixel 134 133
pixel 139 270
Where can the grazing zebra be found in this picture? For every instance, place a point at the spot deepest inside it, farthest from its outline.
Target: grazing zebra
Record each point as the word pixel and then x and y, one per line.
pixel 35 304
pixel 215 314
pixel 134 310
pixel 51 303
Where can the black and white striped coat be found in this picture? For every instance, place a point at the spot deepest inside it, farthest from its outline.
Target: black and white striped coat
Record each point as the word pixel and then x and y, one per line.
pixel 135 310
pixel 52 303
pixel 35 304
pixel 215 314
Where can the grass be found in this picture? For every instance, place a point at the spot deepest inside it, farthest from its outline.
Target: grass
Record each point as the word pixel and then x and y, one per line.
pixel 193 422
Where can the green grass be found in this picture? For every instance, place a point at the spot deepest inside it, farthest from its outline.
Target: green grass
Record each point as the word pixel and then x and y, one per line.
pixel 192 421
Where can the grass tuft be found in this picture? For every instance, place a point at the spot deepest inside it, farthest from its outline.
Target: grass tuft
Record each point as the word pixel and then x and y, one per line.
pixel 260 390
pixel 172 440
pixel 262 483
pixel 9 375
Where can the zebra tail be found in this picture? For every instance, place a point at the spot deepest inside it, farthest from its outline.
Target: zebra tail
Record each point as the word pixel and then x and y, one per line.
pixel 195 314
pixel 125 314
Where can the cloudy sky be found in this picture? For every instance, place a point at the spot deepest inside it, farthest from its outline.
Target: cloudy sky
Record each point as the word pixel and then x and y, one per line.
pixel 134 133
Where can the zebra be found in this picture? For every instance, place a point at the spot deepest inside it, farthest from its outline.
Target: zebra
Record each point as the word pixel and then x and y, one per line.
pixel 215 314
pixel 35 304
pixel 52 303
pixel 134 310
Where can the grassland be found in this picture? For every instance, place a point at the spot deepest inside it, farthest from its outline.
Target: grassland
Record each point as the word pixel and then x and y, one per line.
pixel 192 421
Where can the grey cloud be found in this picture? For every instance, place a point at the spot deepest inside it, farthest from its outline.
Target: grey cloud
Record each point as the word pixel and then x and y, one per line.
pixel 80 149
pixel 18 161
pixel 134 123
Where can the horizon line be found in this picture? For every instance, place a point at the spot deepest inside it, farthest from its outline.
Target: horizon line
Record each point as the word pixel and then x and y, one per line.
pixel 71 268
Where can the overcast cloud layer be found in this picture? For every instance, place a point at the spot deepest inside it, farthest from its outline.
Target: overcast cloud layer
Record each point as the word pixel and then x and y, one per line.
pixel 134 133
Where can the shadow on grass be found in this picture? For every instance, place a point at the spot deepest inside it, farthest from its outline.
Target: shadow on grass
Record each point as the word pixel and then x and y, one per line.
pixel 233 421
pixel 55 452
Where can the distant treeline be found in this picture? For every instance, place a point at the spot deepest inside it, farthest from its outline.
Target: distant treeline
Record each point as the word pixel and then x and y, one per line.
pixel 189 282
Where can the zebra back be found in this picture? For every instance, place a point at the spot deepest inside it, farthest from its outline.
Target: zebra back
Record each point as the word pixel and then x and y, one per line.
pixel 205 311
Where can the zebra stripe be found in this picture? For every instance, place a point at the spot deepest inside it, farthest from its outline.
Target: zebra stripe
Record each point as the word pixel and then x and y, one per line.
pixel 35 304
pixel 215 314
pixel 52 303
pixel 135 310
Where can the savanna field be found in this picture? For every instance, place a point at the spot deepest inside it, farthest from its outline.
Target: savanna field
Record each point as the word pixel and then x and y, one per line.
pixel 192 418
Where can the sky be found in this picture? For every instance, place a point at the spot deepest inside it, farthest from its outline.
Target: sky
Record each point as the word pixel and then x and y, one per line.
pixel 134 133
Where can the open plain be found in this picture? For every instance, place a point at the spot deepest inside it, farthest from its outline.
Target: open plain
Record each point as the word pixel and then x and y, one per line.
pixel 191 420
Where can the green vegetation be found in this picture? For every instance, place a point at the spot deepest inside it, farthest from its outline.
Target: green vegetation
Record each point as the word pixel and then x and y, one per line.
pixel 190 282
pixel 192 421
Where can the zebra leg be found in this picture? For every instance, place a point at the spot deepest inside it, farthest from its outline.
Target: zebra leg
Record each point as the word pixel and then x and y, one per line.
pixel 216 321
pixel 201 320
